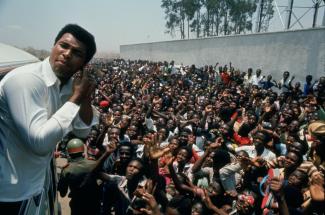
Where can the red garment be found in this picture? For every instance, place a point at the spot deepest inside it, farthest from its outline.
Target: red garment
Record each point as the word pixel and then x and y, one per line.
pixel 234 115
pixel 195 156
pixel 166 175
pixel 225 77
pixel 104 103
pixel 241 140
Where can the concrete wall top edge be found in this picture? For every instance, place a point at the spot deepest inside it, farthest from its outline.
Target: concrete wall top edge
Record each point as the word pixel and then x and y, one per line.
pixel 227 36
pixel 301 52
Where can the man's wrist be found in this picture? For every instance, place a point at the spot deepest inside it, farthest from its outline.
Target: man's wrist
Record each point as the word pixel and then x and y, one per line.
pixel 75 99
pixel 86 103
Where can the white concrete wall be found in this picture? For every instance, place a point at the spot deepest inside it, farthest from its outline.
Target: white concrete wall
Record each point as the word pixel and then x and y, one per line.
pixel 301 52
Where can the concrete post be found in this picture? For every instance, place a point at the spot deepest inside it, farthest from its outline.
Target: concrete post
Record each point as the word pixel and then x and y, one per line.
pixel 289 12
pixel 316 6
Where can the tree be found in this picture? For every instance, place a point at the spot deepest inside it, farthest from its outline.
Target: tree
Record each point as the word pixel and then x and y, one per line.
pixel 179 12
pixel 196 21
pixel 267 14
pixel 224 12
pixel 214 17
pixel 190 7
pixel 172 17
pixel 240 11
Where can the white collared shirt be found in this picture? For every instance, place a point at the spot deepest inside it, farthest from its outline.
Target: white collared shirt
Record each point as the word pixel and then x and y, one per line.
pixel 34 115
pixel 252 153
pixel 256 80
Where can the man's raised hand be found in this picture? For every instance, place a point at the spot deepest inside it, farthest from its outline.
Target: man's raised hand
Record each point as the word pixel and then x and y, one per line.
pixel 83 87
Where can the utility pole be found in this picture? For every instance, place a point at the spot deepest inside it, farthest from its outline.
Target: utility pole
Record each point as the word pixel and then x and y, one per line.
pixel 316 6
pixel 289 12
pixel 259 16
pixel 323 23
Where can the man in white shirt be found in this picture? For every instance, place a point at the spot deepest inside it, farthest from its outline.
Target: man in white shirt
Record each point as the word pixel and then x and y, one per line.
pixel 285 82
pixel 248 77
pixel 39 105
pixel 258 149
pixel 124 187
pixel 257 78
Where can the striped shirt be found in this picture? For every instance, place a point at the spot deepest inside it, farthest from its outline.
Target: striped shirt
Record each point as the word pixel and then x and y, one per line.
pixel 306 166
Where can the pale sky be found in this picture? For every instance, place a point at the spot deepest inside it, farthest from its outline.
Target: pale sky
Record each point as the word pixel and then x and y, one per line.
pixel 35 23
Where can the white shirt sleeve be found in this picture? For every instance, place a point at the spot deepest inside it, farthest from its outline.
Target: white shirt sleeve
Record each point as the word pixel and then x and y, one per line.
pixel 80 129
pixel 240 148
pixel 150 124
pixel 249 149
pixel 28 102
pixel 105 141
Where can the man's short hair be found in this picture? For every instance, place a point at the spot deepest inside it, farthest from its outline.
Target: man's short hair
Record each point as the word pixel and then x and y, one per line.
pixel 220 159
pixel 82 35
pixel 260 135
pixel 125 143
pixel 182 204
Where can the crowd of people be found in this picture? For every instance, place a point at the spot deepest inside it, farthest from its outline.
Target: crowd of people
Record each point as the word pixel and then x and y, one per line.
pixel 155 138
pixel 185 140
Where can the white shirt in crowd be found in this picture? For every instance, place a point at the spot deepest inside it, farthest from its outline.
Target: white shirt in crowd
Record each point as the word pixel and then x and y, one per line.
pixel 252 153
pixel 34 116
pixel 248 79
pixel 285 85
pixel 257 80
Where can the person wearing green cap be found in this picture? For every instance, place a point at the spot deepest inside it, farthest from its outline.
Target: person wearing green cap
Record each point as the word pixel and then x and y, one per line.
pixel 84 199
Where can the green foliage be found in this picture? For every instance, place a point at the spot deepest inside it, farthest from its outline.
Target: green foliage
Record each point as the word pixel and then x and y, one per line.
pixel 214 17
pixel 267 14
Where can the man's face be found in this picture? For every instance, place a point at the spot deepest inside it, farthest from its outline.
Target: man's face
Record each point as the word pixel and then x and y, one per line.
pixel 258 141
pixel 233 105
pixel 114 133
pixel 196 119
pixel 197 209
pixel 125 154
pixel 209 160
pixel 183 138
pixel 173 144
pixel 281 97
pixel 92 136
pixel 170 124
pixel 294 126
pixel 295 147
pixel 68 56
pixel 322 80
pixel 285 75
pixel 290 160
pixel 161 122
pixel 133 169
pixel 132 131
pixel 162 134
pixel 296 178
pixel 181 156
pixel 287 114
pixel 224 129
pixel 251 119
pixel 124 122
pixel 117 115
